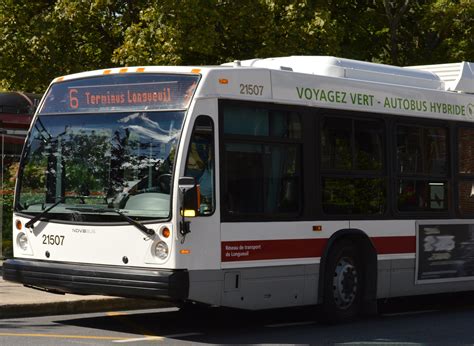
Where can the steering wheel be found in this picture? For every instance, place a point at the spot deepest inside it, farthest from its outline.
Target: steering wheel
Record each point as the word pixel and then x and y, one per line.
pixel 164 182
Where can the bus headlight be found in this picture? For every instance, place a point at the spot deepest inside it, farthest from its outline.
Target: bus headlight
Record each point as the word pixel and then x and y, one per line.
pixel 161 250
pixel 22 241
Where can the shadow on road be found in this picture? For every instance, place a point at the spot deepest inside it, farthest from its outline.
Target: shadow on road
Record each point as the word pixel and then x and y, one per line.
pixel 443 318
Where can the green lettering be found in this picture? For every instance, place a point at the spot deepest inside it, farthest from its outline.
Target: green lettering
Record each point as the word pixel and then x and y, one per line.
pixel 331 97
pixel 343 99
pixel 323 96
pixel 299 92
pixel 316 93
pixel 353 98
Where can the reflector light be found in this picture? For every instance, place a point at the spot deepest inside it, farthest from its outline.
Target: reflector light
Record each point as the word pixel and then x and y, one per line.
pixel 223 81
pixel 18 225
pixel 166 232
pixel 123 70
pixel 141 69
pixel 317 228
pixel 107 72
pixel 185 252
pixel 196 70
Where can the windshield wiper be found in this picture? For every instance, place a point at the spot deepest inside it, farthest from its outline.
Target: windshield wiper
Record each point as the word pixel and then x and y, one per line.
pixel 30 223
pixel 140 226
pixel 137 224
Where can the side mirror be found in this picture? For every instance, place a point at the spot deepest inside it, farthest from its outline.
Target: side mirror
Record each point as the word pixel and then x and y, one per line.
pixel 190 202
pixel 191 196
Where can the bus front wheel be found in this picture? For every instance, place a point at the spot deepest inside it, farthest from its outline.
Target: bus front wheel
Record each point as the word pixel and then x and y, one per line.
pixel 343 283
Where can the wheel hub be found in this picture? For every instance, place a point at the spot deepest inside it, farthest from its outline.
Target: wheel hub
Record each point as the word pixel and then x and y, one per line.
pixel 345 283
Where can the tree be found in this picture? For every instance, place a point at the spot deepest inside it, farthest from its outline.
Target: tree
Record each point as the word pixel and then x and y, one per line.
pixel 224 30
pixel 42 39
pixel 168 34
pixel 408 32
pixel 449 32
pixel 300 28
pixel 26 37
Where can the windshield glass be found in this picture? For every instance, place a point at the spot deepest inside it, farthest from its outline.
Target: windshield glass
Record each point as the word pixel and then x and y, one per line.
pixel 92 161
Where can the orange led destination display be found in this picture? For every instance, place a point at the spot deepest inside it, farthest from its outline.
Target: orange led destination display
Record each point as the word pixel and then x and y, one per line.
pixel 131 95
pixel 137 93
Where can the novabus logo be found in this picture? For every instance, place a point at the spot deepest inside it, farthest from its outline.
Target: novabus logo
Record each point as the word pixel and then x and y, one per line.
pixel 470 109
pixel 83 230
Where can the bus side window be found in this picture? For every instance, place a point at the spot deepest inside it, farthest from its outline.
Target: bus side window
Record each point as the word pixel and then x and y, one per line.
pixel 200 162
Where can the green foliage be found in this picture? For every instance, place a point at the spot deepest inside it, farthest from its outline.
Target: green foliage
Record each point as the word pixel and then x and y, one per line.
pixel 43 39
pixel 7 247
pixel 9 172
pixel 449 29
pixel 212 31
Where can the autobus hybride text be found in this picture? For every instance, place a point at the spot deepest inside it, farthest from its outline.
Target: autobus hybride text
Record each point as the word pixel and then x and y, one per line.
pixel 368 100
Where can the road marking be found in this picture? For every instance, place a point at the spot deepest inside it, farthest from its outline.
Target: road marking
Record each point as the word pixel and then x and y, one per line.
pixel 157 338
pixel 63 336
pixel 407 313
pixel 122 318
pixel 377 342
pixel 116 313
pixel 147 335
pixel 291 324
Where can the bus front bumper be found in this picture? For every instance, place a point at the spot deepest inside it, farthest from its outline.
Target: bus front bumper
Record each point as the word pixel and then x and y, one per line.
pixel 131 282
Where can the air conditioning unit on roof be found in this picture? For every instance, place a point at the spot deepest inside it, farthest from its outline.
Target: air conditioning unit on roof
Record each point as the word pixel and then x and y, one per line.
pixel 348 68
pixel 456 76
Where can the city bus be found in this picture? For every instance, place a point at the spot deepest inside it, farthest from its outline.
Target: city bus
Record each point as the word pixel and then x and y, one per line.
pixel 257 184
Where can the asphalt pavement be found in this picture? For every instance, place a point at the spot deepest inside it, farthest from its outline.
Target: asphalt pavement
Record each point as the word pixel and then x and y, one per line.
pixel 17 300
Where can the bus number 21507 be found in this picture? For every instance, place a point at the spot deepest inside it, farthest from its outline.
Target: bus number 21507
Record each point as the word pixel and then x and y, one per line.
pixel 251 89
pixel 50 239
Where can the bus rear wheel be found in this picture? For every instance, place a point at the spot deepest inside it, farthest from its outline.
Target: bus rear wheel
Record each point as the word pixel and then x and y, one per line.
pixel 343 283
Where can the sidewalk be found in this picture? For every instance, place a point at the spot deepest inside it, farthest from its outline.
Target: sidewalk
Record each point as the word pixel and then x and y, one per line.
pixel 19 301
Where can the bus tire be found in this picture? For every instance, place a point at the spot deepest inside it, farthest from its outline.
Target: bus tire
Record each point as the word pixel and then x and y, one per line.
pixel 192 307
pixel 343 287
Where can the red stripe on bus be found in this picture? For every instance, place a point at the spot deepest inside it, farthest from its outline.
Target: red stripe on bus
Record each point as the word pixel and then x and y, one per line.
pixel 392 245
pixel 257 250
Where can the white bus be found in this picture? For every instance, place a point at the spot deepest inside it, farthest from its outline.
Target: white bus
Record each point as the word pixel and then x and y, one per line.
pixel 257 184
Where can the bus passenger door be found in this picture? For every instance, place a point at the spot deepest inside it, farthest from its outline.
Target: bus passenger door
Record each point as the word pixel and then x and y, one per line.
pixel 203 241
pixel 200 249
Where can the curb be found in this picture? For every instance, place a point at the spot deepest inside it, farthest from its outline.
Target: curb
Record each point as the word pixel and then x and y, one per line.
pixel 77 307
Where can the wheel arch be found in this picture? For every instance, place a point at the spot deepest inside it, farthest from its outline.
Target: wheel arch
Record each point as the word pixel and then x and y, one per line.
pixel 362 242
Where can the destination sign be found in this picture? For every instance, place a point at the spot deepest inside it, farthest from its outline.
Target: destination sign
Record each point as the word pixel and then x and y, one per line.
pixel 112 93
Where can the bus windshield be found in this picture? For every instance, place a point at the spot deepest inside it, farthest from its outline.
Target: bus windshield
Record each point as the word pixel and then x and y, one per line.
pixel 104 144
pixel 120 160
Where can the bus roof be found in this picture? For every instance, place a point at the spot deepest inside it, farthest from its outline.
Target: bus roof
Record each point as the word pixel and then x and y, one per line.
pixel 329 82
pixel 457 77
